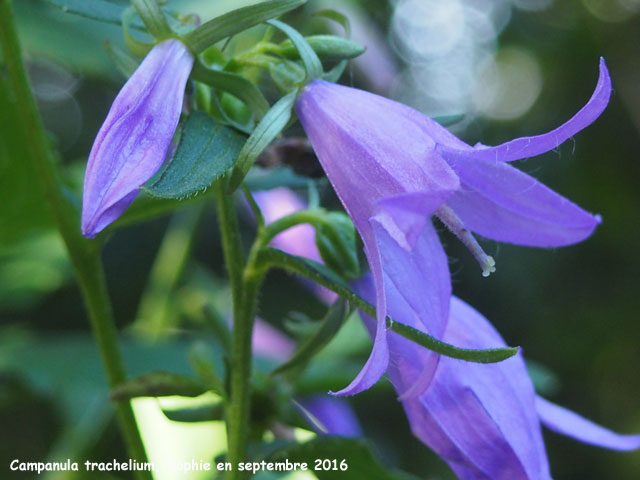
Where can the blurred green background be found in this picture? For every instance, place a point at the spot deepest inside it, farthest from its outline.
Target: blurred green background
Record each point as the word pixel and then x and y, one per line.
pixel 513 67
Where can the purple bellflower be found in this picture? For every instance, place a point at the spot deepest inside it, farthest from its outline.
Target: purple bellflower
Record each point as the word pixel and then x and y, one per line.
pixel 133 141
pixel 393 167
pixel 482 419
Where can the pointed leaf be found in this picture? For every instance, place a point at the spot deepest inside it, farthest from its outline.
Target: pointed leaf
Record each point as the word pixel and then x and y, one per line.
pixel 203 413
pixel 331 324
pixel 265 132
pixel 236 21
pixel 327 278
pixel 158 384
pixel 309 58
pixel 207 149
pixel 336 17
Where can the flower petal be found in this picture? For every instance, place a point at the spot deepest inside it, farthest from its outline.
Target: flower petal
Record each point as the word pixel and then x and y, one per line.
pixel 330 416
pixel 502 203
pixel 379 357
pixel 420 275
pixel 566 422
pixel 479 417
pixel 525 147
pixel 134 138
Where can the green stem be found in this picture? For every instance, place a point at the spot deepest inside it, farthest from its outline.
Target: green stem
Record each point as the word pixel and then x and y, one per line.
pixel 238 407
pixel 84 254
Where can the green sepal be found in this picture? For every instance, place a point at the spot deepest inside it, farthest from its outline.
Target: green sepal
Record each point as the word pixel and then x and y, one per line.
pixel 234 84
pixel 336 17
pixel 270 257
pixel 158 384
pixel 207 150
pixel 336 72
pixel 326 47
pixel 336 242
pixel 310 60
pixel 236 21
pixel 275 120
pixel 286 75
pixel 153 18
pixel 330 325
pixel 137 47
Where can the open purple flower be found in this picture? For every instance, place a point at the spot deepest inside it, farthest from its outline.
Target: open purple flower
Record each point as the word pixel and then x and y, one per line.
pixel 482 419
pixel 393 167
pixel 134 138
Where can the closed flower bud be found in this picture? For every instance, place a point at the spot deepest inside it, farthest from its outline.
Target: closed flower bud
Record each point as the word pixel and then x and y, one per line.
pixel 133 141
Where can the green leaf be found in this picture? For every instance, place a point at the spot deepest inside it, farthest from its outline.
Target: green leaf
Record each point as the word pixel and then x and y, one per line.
pixel 336 242
pixel 309 58
pixel 207 149
pixel 354 459
pixel 153 18
pixel 265 132
pixel 158 384
pixel 236 21
pixel 336 17
pixel 200 358
pixel 327 47
pixel 308 349
pixel 203 413
pixel 236 85
pixel 286 75
pixel 100 10
pixel 327 278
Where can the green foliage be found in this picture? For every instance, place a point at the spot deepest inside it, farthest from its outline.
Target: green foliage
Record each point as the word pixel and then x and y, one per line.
pixel 158 384
pixel 265 132
pixel 329 327
pixel 345 459
pixel 100 10
pixel 322 275
pixel 236 21
pixel 326 47
pixel 207 150
pixel 309 58
pixel 336 242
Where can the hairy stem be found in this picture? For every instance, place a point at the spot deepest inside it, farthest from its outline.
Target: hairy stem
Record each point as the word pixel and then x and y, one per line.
pixel 84 254
pixel 238 408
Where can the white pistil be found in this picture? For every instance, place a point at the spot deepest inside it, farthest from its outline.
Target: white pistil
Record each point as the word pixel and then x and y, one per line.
pixel 455 225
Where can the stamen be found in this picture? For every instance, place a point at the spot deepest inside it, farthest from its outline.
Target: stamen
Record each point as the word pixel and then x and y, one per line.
pixel 455 225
